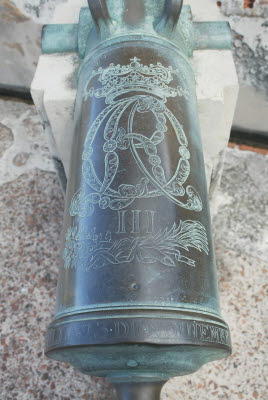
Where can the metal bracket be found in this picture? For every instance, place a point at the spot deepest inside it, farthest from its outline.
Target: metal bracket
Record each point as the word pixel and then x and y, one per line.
pixel 60 38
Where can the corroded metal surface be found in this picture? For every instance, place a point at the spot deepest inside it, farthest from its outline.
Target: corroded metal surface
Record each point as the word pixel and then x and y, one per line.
pixel 60 38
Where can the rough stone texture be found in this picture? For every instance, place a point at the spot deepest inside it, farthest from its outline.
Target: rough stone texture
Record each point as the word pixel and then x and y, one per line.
pixel 30 223
pixel 248 20
pixel 42 10
pixel 39 11
pixel 245 7
pixel 20 41
pixel 6 138
pixel 250 50
pixel 242 226
pixel 23 143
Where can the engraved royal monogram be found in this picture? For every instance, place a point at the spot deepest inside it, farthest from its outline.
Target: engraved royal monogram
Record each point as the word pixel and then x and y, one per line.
pixel 130 91
pixel 118 81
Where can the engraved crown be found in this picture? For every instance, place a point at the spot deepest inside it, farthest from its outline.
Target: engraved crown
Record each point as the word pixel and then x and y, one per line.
pixel 121 79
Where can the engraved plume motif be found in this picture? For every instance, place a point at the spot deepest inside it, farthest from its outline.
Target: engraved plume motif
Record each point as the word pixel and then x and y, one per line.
pixel 88 250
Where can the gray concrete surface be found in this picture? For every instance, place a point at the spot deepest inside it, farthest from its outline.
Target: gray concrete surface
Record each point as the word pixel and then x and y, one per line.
pixel 31 214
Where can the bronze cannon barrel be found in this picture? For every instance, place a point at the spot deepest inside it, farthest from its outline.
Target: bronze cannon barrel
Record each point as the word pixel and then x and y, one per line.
pixel 137 297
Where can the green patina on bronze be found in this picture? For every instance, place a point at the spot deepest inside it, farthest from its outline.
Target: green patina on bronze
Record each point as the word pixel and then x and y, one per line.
pixel 188 35
pixel 137 294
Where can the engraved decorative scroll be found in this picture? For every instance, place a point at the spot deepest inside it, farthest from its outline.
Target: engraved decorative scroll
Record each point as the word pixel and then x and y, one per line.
pixel 120 85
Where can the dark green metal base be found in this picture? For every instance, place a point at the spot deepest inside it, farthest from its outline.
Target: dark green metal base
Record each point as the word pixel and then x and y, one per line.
pixel 138 363
pixel 149 346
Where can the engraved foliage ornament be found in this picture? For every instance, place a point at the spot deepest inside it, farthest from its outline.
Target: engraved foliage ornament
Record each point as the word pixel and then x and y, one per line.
pixel 86 250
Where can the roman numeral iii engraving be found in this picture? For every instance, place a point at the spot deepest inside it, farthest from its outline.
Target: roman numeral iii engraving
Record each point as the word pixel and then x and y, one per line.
pixel 135 221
